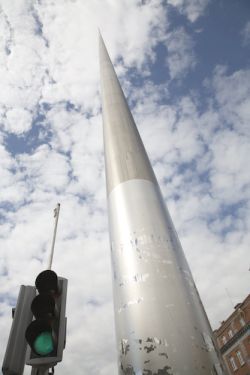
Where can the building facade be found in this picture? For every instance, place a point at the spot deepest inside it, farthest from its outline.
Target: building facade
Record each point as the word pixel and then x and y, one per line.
pixel 233 339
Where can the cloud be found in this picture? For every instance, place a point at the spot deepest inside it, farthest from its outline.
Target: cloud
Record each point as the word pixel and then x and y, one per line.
pixel 192 9
pixel 230 152
pixel 50 93
pixel 198 145
pixel 222 200
pixel 245 33
pixel 18 120
pixel 181 56
pixel 232 95
pixel 199 163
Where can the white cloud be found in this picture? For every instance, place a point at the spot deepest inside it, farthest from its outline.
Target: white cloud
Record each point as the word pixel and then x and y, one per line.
pixel 53 64
pixel 192 9
pixel 230 152
pixel 220 257
pixel 45 169
pixel 181 56
pixel 224 128
pixel 208 197
pixel 18 121
pixel 232 94
pixel 50 61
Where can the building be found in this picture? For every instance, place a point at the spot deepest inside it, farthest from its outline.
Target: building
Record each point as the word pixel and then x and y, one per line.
pixel 233 339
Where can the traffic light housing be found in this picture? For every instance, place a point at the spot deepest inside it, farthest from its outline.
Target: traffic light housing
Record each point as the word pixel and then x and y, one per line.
pixel 46 334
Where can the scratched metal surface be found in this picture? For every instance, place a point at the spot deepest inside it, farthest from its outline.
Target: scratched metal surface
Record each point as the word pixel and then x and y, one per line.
pixel 158 328
pixel 161 325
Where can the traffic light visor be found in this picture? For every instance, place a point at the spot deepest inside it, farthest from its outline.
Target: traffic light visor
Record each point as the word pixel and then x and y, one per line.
pixel 47 282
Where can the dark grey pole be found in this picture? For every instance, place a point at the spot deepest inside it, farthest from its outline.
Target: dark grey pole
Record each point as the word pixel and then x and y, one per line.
pixel 39 371
pixel 14 359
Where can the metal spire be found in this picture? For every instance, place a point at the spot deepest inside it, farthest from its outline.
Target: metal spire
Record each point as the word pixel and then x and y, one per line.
pixel 125 155
pixel 161 325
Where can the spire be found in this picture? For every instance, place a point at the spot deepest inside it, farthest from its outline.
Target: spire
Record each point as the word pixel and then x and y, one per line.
pixel 125 155
pixel 161 326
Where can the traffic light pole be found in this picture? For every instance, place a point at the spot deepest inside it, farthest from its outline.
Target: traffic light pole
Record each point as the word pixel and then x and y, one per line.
pixel 14 359
pixel 46 334
pixel 39 320
pixel 38 371
pixel 56 215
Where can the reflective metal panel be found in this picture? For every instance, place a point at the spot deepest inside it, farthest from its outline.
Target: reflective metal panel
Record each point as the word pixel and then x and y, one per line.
pixel 160 323
pixel 125 155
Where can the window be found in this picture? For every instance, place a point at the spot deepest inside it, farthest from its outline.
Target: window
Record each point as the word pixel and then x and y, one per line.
pixel 242 322
pixel 240 358
pixel 230 333
pixel 233 364
pixel 224 340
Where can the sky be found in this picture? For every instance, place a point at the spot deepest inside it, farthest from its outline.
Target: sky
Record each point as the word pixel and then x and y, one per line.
pixel 184 66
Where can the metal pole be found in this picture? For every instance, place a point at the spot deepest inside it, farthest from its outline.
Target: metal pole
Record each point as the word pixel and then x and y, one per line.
pixel 39 371
pixel 56 215
pixel 161 326
pixel 14 359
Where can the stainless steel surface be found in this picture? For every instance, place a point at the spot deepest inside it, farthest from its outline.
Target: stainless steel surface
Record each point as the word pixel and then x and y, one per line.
pixel 158 319
pixel 161 325
pixel 125 156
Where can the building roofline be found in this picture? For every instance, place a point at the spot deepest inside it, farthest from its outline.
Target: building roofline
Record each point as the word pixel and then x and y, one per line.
pixel 224 323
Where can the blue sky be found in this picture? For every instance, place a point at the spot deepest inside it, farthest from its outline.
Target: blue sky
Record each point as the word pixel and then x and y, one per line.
pixel 184 66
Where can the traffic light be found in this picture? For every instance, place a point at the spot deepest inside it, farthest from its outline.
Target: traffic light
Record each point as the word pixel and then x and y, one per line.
pixel 46 334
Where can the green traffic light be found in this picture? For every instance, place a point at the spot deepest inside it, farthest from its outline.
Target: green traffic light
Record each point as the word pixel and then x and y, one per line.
pixel 43 344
